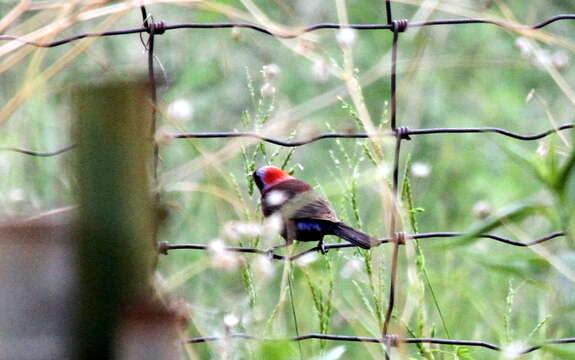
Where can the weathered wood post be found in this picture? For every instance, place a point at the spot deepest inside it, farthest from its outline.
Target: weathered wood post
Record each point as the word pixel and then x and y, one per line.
pixel 115 245
pixel 36 290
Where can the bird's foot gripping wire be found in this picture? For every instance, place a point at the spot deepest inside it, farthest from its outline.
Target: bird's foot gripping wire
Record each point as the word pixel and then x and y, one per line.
pixel 271 251
pixel 322 247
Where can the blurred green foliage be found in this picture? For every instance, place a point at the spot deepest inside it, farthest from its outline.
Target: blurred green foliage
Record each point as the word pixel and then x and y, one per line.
pixel 449 76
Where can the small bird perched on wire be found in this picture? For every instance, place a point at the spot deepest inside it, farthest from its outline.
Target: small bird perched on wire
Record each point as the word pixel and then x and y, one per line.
pixel 305 214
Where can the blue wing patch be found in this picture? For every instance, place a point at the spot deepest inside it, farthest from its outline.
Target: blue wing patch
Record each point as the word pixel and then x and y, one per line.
pixel 308 226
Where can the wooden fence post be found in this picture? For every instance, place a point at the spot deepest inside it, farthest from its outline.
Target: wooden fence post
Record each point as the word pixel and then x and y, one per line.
pixel 36 290
pixel 115 245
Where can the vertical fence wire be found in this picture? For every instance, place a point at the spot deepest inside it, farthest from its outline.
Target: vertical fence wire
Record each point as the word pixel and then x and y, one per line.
pixel 398 238
pixel 395 195
pixel 150 27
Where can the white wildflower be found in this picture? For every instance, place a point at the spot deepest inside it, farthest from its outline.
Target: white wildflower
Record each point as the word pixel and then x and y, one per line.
pixel 333 354
pixel 236 33
pixel 15 195
pixel 512 351
pixel 4 164
pixel 480 247
pixel 561 59
pixel 304 46
pixel 248 229
pixel 180 110
pixel 163 136
pixel 346 37
pixel 270 72
pixel 217 246
pixel 383 170
pixel 236 229
pixel 267 90
pixel 524 46
pixel 263 266
pixel 542 148
pixel 543 59
pixel 307 259
pixel 482 209
pixel 420 169
pixel 221 257
pixel 530 95
pixel 321 71
pixel 230 320
pixel 272 225
pixel 350 268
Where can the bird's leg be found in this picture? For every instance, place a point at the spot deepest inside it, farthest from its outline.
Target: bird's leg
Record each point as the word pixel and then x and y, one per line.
pixel 290 232
pixel 322 248
pixel 271 250
pixel 289 237
pixel 281 246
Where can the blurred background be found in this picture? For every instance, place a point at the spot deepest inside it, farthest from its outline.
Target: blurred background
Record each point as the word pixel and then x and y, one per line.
pixel 240 80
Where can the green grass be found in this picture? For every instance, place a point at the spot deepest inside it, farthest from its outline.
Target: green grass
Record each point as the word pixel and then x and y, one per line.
pixel 466 76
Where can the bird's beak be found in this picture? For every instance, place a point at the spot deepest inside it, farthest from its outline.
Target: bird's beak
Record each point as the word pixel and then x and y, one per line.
pixel 258 181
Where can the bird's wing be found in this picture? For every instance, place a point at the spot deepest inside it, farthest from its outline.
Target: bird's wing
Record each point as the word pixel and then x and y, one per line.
pixel 295 199
pixel 310 205
pixel 275 197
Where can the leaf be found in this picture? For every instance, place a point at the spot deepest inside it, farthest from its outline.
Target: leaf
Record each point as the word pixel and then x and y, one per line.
pixel 526 267
pixel 248 281
pixel 536 165
pixel 559 352
pixel 566 172
pixel 333 354
pixel 512 214
pixel 464 353
pixel 277 350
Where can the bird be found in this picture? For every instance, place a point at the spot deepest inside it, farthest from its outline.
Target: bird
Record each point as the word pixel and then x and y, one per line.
pixel 305 214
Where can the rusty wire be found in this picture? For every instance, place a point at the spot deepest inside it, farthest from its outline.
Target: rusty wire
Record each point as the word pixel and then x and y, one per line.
pixel 398 238
pixel 406 133
pixel 161 27
pixel 390 339
pixel 153 28
pixel 166 247
pixel 38 153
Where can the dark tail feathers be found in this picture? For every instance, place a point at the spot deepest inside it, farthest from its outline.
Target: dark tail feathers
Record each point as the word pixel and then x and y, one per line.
pixel 355 237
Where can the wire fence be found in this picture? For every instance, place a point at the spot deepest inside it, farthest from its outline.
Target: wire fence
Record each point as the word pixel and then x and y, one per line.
pixel 153 28
pixel 390 340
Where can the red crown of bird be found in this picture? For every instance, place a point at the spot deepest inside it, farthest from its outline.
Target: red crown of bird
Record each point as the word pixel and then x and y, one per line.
pixel 271 175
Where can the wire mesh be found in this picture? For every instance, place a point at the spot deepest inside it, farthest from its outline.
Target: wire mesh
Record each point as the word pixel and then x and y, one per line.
pixel 153 28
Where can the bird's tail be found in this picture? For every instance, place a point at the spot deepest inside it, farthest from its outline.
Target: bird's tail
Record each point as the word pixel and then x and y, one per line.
pixel 355 237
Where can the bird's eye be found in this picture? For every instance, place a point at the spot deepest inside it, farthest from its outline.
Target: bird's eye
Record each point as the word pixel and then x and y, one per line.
pixel 258 180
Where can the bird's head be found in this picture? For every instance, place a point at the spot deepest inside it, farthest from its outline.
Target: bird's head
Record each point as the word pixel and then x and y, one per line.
pixel 267 176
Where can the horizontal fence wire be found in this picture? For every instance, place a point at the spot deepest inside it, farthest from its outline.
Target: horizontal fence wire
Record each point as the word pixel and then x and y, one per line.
pixel 406 133
pixel 153 28
pixel 391 339
pixel 38 153
pixel 161 27
pixel 166 247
